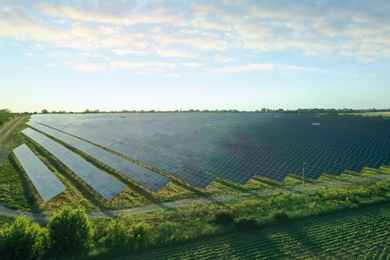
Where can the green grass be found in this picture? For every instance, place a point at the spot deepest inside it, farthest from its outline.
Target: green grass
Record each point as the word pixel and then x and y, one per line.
pixel 355 234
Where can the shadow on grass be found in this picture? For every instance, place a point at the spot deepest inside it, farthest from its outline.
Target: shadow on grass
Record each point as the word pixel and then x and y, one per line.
pixel 231 185
pixel 27 190
pixel 87 192
pixel 268 182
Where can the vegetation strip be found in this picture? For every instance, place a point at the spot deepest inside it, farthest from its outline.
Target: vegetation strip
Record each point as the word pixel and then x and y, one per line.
pixel 217 199
pixel 110 237
pixel 354 234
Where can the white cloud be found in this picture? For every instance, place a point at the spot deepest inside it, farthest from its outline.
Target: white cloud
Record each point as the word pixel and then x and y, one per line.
pixel 248 67
pixel 267 67
pixel 125 51
pixel 59 54
pixel 172 75
pixel 174 53
pixel 121 64
pixel 139 15
pixel 192 65
pixel 90 67
pixel 224 59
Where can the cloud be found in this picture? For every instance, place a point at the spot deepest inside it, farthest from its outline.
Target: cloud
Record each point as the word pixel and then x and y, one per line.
pixel 266 67
pixel 90 67
pixel 172 75
pixel 224 59
pixel 139 16
pixel 125 51
pixel 248 67
pixel 121 64
pixel 17 24
pixel 174 53
pixel 59 54
pixel 209 33
pixel 192 65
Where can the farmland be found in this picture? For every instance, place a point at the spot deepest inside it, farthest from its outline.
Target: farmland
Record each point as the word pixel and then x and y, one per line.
pixel 372 114
pixel 354 234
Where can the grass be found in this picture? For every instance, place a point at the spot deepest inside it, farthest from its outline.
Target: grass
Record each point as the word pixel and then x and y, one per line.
pixel 196 222
pixel 355 234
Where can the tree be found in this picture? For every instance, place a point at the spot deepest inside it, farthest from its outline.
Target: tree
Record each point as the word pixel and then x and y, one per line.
pixel 70 230
pixel 5 115
pixel 44 111
pixel 22 240
pixel 116 233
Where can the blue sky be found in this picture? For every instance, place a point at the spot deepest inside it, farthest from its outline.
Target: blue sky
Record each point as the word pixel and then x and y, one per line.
pixel 167 55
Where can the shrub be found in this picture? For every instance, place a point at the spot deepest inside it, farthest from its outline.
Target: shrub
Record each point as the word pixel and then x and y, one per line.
pixel 223 218
pixel 246 223
pixel 140 236
pixel 116 234
pixel 280 217
pixel 22 240
pixel 70 230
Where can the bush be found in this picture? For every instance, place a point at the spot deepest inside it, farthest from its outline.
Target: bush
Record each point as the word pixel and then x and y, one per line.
pixel 280 217
pixel 247 223
pixel 22 240
pixel 140 236
pixel 116 234
pixel 70 230
pixel 223 218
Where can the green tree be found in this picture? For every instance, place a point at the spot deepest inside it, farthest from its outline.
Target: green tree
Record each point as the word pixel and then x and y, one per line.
pixel 5 115
pixel 22 240
pixel 116 234
pixel 139 236
pixel 70 230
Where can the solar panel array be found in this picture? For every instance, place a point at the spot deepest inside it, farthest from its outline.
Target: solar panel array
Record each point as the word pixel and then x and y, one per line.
pixel 198 147
pixel 139 174
pixel 105 185
pixel 46 183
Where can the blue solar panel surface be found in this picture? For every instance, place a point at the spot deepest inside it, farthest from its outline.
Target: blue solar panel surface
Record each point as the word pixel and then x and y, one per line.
pixel 236 146
pixel 46 183
pixel 105 185
pixel 139 174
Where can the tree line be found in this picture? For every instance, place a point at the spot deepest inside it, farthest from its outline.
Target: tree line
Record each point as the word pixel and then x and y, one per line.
pixel 5 116
pixel 263 110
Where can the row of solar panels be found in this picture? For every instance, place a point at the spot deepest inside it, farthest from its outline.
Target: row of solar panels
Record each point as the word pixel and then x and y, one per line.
pixel 49 186
pixel 197 148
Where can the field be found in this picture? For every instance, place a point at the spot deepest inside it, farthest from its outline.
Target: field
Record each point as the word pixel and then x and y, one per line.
pixel 381 114
pixel 354 234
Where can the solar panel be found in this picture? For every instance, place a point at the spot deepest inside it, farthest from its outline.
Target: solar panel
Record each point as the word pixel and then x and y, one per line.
pixel 139 174
pixel 236 146
pixel 105 185
pixel 45 182
pixel 149 157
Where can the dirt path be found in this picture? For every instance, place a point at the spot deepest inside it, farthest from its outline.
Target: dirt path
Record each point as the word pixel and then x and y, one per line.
pixel 176 204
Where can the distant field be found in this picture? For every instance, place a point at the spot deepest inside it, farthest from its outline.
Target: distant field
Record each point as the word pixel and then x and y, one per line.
pixel 384 114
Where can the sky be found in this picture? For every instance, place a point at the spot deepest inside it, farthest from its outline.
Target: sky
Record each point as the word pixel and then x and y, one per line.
pixel 170 54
